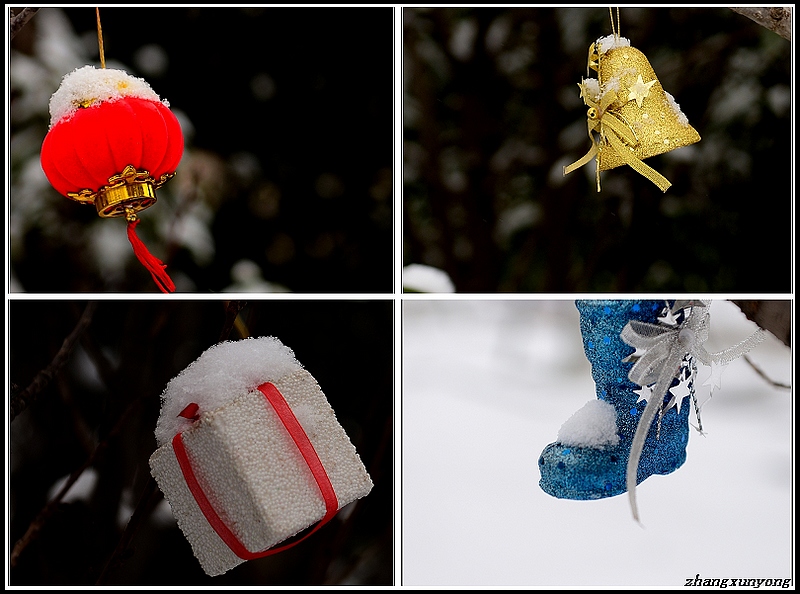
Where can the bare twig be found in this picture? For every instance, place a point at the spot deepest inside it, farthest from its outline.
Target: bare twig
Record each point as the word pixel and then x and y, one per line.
pixel 102 364
pixel 21 401
pixel 764 376
pixel 81 429
pixel 338 573
pixel 776 19
pixel 16 22
pixel 232 309
pixel 148 500
pixel 35 527
pixel 151 495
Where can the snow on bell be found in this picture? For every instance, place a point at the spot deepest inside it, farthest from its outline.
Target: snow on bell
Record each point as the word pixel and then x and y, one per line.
pixel 630 116
pixel 251 453
pixel 112 142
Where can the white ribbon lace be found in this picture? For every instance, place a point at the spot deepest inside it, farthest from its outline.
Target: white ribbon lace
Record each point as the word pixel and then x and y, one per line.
pixel 665 347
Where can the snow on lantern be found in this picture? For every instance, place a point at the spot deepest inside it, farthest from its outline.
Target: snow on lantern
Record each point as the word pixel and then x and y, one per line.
pixel 251 453
pixel 112 142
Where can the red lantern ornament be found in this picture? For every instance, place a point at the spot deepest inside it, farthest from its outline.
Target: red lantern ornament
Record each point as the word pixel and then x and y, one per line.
pixel 112 142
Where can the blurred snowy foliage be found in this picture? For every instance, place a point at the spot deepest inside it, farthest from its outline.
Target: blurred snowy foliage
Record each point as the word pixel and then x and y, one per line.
pixel 418 278
pixel 96 421
pixel 492 113
pixel 37 209
pixel 257 181
pixel 247 278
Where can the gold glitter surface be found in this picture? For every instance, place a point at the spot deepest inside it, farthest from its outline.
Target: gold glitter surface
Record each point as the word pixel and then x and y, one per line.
pixel 643 105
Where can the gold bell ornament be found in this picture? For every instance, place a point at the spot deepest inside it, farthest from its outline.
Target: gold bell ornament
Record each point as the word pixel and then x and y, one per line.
pixel 630 116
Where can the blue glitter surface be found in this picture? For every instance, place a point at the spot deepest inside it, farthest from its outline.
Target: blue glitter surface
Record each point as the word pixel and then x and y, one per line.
pixel 577 472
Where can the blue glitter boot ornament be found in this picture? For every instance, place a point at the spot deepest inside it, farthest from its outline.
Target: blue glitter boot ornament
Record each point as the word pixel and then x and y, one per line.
pixel 643 356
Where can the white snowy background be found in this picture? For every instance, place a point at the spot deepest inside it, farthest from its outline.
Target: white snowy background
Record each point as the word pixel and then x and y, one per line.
pixel 486 386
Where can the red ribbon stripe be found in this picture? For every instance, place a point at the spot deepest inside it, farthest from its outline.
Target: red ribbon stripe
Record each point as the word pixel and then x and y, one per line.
pixel 309 454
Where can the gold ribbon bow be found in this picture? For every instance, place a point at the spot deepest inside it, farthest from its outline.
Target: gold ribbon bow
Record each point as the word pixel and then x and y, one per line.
pixel 614 134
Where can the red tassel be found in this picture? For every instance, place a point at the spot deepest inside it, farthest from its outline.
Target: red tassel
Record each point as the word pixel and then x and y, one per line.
pixel 149 261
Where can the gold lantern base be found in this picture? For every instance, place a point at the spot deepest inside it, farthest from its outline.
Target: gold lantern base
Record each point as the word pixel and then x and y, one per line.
pixel 125 194
pixel 124 200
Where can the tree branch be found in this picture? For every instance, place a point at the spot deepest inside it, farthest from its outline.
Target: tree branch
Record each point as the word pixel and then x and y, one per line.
pixel 35 527
pixel 21 401
pixel 776 19
pixel 151 494
pixel 774 316
pixel 16 22
pixel 150 497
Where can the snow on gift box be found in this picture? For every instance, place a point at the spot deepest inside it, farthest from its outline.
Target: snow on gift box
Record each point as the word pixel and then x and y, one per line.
pixel 251 453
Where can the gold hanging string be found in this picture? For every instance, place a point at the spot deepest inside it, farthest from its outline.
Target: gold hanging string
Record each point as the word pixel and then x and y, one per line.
pixel 100 38
pixel 608 130
pixel 614 30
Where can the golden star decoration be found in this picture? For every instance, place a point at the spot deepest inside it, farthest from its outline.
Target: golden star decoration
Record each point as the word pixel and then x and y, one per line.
pixel 640 90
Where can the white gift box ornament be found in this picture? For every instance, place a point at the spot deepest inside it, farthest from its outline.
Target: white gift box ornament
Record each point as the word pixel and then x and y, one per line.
pixel 251 453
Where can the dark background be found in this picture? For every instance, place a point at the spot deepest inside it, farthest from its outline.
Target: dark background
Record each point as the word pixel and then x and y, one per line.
pixel 288 149
pixel 115 375
pixel 492 114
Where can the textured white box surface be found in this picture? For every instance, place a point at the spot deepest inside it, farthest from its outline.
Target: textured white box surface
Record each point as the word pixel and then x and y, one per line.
pixel 254 475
